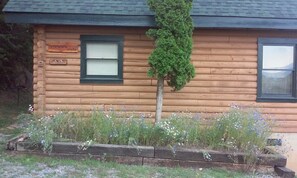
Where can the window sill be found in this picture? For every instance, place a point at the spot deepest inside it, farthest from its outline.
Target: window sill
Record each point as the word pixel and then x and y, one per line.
pixel 101 80
pixel 277 99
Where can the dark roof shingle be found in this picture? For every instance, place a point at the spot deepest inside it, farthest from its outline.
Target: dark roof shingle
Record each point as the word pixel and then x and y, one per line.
pixel 224 8
pixel 280 14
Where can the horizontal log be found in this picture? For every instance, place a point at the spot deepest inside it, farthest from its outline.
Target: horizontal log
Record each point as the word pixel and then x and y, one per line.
pixel 136 63
pixel 102 95
pixel 64 87
pixel 284 117
pixel 207 51
pixel 57 36
pixel 63 55
pixel 228 65
pixel 134 108
pixel 235 32
pixel 252 78
pixel 66 81
pixel 147 82
pixel 80 107
pixel 129 69
pixel 140 75
pixel 224 84
pixel 61 100
pixel 137 50
pixel 66 68
pixel 218 45
pixel 61 74
pixel 198 38
pixel 286 124
pixel 75 42
pixel 226 71
pixel 224 58
pixel 241 97
pixel 242 39
pixel 134 56
pixel 134 37
pixel 104 88
pixel 152 101
pixel 145 95
pixel 124 88
pixel 284 130
pixel 233 71
pixel 146 44
pixel 215 90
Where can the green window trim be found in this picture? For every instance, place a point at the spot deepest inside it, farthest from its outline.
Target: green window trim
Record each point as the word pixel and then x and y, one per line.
pixel 104 79
pixel 276 97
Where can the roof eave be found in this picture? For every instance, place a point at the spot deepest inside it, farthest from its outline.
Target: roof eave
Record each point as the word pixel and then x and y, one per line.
pixel 244 22
pixel 147 21
pixel 79 19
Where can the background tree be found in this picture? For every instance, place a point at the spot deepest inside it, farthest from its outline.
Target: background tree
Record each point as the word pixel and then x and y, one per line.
pixel 170 60
pixel 15 54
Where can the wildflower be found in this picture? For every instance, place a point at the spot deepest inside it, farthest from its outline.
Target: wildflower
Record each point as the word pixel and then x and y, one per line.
pixel 30 109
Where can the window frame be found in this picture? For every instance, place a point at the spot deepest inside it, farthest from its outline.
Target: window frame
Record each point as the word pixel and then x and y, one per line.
pixel 277 97
pixel 84 78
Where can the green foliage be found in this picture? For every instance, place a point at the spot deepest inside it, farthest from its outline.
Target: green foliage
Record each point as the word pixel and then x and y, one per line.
pixel 173 42
pixel 15 54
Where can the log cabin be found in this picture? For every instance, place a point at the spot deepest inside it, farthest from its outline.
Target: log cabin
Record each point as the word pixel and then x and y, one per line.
pixel 94 54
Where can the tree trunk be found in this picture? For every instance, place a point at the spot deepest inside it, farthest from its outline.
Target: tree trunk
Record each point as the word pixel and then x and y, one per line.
pixel 160 91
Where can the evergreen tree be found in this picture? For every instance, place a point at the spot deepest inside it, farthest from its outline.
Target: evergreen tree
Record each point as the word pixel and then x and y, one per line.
pixel 15 53
pixel 170 60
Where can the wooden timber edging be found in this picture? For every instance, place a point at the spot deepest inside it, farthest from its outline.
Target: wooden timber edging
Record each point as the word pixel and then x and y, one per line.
pixel 157 156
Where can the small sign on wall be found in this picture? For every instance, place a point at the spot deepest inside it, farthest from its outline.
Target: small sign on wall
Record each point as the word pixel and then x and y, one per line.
pixel 58 61
pixel 58 47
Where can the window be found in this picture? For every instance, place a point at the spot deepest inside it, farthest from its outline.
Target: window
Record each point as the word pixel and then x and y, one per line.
pixel 277 70
pixel 101 59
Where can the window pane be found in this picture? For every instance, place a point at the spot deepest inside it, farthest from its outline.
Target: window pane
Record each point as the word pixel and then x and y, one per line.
pixel 102 50
pixel 102 67
pixel 277 82
pixel 278 57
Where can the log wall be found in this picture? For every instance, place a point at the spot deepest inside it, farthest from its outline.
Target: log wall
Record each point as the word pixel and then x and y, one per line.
pixel 226 74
